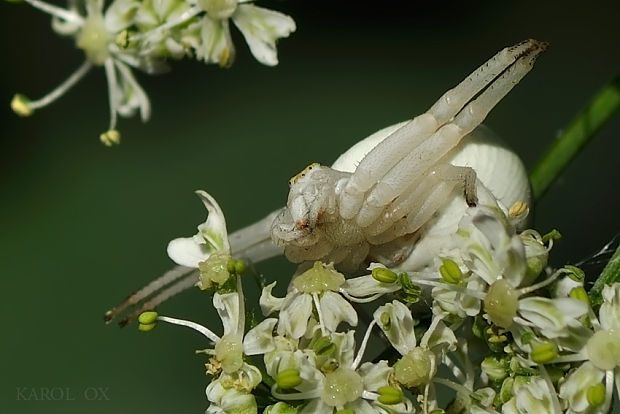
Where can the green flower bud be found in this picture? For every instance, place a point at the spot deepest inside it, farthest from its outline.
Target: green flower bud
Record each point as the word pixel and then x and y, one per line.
pixel 495 368
pixel 544 353
pixel 596 395
pixel 346 411
pixel 450 272
pixel 289 378
pixel 383 275
pixel 240 267
pixel 390 395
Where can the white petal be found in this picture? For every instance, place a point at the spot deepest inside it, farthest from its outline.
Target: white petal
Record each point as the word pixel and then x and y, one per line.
pixel 336 309
pixel 261 28
pixel 552 316
pixel 227 306
pixel 214 228
pixel 132 95
pixel 269 303
pixel 317 406
pixel 186 252
pixel 575 388
pixel 400 331
pixel 259 340
pixel 119 15
pixel 212 236
pixel 345 347
pixel 438 335
pixel 367 285
pixel 609 313
pixel 294 318
pixel 376 375
pixel 216 46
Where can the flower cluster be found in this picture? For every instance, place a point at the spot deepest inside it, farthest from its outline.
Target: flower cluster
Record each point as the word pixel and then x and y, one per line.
pixel 142 34
pixel 489 321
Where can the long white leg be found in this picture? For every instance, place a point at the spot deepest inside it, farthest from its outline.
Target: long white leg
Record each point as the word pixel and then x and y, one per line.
pixel 421 158
pixel 392 150
pixel 252 243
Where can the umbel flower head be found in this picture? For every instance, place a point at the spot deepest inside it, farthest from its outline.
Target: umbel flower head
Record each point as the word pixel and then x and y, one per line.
pixel 317 350
pixel 133 34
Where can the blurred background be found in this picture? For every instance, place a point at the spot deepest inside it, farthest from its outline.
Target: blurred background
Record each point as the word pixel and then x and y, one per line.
pixel 82 225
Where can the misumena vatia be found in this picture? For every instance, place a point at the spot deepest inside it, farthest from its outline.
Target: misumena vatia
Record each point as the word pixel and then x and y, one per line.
pixel 395 196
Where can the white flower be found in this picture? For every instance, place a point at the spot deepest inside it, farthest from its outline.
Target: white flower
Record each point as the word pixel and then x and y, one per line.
pixel 419 363
pixel 260 27
pixel 313 289
pixel 335 380
pixel 96 32
pixel 531 397
pixel 212 237
pixel 209 33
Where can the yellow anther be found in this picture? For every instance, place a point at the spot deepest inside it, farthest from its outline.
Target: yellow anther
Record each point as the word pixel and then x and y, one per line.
pixel 224 59
pixel 580 293
pixel 518 208
pixel 21 105
pixel 122 39
pixel 111 137
pixel 147 317
pixel 390 395
pixel 596 395
pixel 147 321
pixel 289 378
pixel 544 353
pixel 450 272
pixel 303 172
pixel 383 275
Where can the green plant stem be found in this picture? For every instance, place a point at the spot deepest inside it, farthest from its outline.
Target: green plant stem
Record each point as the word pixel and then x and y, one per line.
pixel 582 128
pixel 610 275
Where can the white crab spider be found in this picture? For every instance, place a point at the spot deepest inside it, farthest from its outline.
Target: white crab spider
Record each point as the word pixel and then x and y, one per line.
pixel 395 196
pixel 377 208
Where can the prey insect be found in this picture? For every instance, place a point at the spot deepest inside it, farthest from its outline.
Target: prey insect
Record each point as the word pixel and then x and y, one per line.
pixel 394 197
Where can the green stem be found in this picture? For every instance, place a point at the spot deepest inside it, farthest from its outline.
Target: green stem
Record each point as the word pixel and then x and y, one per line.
pixel 610 275
pixel 582 128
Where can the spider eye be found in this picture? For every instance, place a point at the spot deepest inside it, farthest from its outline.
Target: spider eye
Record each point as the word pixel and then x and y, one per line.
pixel 302 173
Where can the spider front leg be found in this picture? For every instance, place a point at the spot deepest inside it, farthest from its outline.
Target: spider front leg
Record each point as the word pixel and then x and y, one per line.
pixel 464 175
pixel 404 158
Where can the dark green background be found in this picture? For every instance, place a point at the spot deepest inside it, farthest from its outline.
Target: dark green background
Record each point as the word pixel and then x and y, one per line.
pixel 82 225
